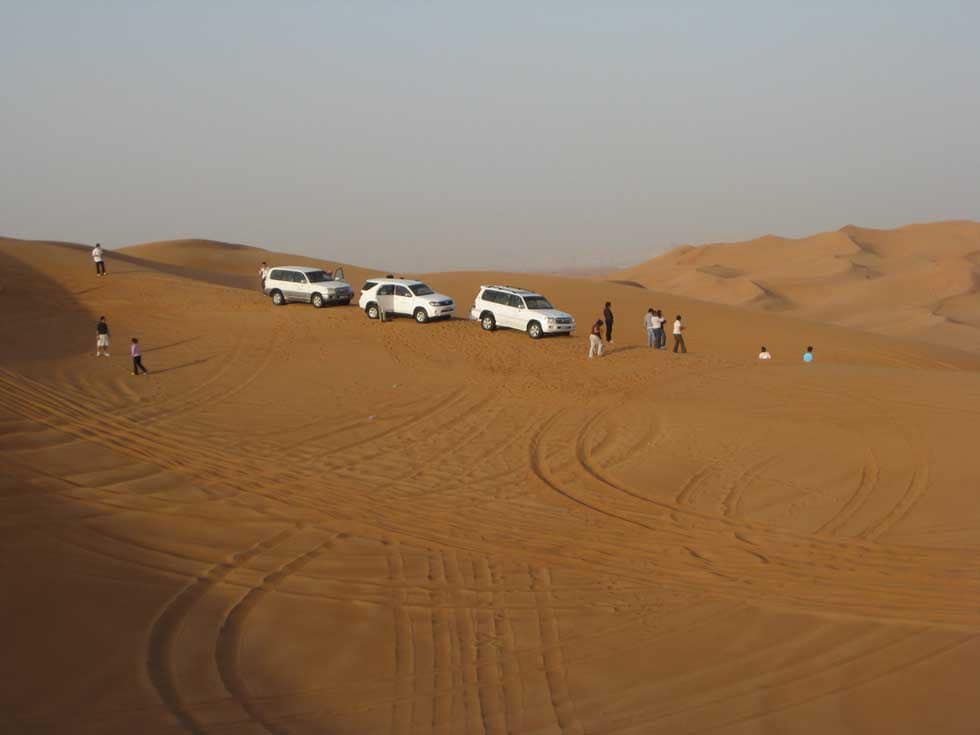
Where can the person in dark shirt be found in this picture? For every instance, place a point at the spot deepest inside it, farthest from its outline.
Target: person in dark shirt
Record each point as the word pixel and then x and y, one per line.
pixel 608 316
pixel 102 338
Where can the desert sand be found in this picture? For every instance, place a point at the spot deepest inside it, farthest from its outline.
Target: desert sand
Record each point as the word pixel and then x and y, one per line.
pixel 302 521
pixel 920 281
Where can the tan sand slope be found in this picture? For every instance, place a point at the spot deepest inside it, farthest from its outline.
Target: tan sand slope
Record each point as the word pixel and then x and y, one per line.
pixel 303 521
pixel 919 281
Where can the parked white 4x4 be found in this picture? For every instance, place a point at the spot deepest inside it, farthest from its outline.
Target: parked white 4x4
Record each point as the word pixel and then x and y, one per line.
pixel 515 308
pixel 403 296
pixel 310 285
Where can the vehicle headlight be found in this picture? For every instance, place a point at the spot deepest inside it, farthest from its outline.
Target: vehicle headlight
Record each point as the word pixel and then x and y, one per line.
pixel 435 303
pixel 551 321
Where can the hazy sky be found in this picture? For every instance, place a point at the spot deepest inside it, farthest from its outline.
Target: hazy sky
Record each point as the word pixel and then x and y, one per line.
pixel 439 135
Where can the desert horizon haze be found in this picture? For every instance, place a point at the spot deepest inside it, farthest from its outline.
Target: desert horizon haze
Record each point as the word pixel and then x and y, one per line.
pixel 502 136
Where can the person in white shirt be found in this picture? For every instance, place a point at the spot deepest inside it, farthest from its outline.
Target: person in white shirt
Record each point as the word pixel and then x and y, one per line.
pixel 263 274
pixel 679 335
pixel 764 354
pixel 98 257
pixel 651 323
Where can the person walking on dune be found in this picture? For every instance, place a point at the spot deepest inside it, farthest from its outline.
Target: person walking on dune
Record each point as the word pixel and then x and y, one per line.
pixel 263 274
pixel 595 340
pixel 808 355
pixel 679 335
pixel 651 323
pixel 102 338
pixel 607 314
pixel 99 257
pixel 764 354
pixel 137 355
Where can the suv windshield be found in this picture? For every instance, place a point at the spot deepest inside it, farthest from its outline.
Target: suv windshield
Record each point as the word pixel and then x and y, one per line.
pixel 420 289
pixel 537 302
pixel 318 276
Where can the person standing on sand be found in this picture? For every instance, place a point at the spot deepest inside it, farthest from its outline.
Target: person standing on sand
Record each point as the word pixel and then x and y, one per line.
pixel 102 338
pixel 595 340
pixel 808 355
pixel 764 354
pixel 651 323
pixel 99 258
pixel 661 337
pixel 679 335
pixel 608 316
pixel 263 274
pixel 137 355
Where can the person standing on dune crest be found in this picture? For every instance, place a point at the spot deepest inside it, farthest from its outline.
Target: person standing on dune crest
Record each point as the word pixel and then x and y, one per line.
pixel 263 274
pixel 650 322
pixel 607 314
pixel 137 355
pixel 99 258
pixel 102 338
pixel 661 341
pixel 595 340
pixel 679 335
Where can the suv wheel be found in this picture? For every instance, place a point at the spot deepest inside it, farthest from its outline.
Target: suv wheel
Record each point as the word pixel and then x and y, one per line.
pixel 421 316
pixel 317 300
pixel 488 322
pixel 534 330
pixel 372 311
pixel 277 298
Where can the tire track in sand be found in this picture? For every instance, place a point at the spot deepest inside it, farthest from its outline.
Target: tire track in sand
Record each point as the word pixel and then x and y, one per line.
pixel 228 645
pixel 160 651
pixel 552 655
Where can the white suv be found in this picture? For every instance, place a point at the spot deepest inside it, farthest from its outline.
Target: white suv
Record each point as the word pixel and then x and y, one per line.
pixel 310 285
pixel 404 296
pixel 504 306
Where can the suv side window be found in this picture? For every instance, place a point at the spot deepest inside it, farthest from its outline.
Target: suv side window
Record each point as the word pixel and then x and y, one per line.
pixel 299 277
pixel 492 296
pixel 515 301
pixel 386 290
pixel 276 275
pixel 368 285
pixel 402 291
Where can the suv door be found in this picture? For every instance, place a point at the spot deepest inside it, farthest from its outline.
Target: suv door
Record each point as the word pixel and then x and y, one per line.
pixel 515 311
pixel 403 300
pixel 275 281
pixel 385 296
pixel 303 287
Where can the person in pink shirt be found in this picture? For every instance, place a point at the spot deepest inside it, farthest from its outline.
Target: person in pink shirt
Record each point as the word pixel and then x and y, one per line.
pixel 134 351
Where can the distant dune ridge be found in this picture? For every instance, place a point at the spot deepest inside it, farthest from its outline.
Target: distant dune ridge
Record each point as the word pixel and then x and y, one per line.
pixel 305 521
pixel 919 281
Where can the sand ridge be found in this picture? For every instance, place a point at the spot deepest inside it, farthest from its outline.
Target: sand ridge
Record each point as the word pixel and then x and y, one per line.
pixel 918 281
pixel 304 521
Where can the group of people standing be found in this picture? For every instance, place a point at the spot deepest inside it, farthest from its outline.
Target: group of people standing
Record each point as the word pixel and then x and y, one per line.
pixel 102 326
pixel 653 321
pixel 656 334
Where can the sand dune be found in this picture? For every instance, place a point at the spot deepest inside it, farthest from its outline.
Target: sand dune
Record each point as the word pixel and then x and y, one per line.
pixel 919 281
pixel 303 521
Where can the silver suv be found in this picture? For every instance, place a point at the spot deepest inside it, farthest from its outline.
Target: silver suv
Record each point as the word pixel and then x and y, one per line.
pixel 517 308
pixel 315 286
